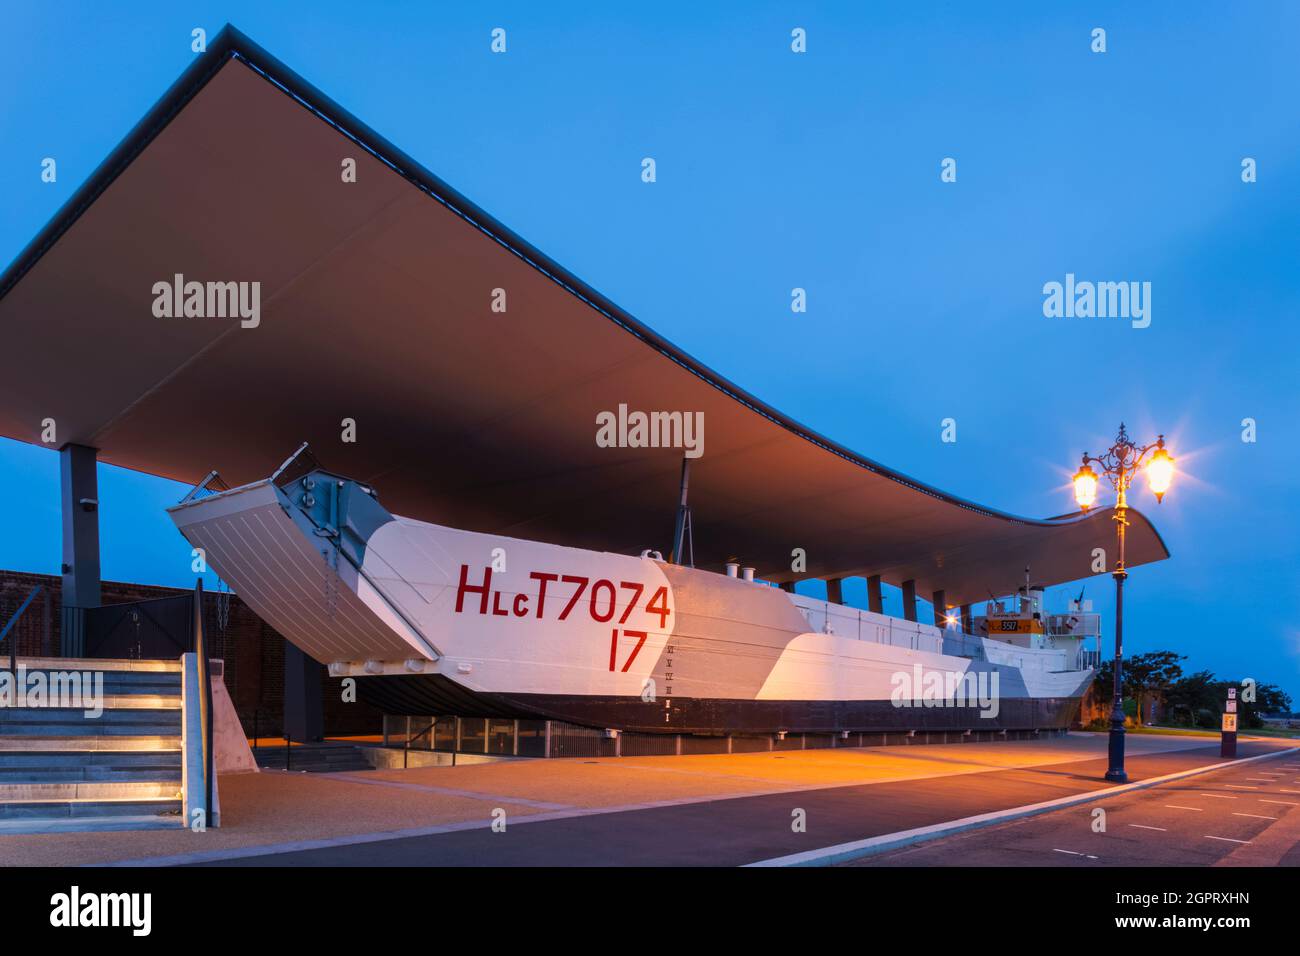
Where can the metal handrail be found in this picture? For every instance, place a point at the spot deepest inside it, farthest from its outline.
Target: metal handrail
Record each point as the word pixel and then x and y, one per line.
pixel 13 644
pixel 200 486
pixel 287 462
pixel 205 699
pixel 406 748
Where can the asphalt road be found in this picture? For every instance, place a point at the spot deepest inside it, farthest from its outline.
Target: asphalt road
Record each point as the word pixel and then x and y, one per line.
pixel 729 832
pixel 1247 815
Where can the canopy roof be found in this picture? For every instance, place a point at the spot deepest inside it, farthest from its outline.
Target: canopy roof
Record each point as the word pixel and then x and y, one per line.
pixel 375 306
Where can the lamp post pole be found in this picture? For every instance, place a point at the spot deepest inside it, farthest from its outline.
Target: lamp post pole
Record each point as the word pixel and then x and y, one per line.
pixel 1116 771
pixel 1119 464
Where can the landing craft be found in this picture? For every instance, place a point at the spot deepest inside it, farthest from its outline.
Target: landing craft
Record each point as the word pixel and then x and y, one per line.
pixel 432 624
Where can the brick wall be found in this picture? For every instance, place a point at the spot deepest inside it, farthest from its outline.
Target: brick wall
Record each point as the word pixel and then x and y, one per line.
pixel 252 651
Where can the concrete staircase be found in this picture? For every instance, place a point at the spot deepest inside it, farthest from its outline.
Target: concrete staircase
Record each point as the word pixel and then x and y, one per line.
pixel 315 758
pixel 62 770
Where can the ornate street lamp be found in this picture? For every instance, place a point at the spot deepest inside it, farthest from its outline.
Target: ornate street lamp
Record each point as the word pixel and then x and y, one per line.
pixel 1120 464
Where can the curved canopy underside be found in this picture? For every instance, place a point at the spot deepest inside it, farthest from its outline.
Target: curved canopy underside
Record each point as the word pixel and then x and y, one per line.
pixel 374 301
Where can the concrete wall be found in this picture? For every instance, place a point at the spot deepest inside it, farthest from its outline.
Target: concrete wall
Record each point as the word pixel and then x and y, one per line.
pixel 230 743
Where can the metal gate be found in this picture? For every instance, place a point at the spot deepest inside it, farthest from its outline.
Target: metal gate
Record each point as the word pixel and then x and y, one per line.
pixel 162 628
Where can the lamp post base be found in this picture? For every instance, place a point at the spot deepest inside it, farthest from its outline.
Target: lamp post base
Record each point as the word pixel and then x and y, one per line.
pixel 1116 773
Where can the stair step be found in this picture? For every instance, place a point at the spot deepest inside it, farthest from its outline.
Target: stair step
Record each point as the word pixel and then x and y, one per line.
pixel 70 720
pixel 16 793
pixel 110 682
pixel 319 768
pixel 105 664
pixel 140 766
pixel 66 759
pixel 142 701
pixel 35 811
pixel 305 764
pixel 314 759
pixel 142 774
pixel 90 823
pixel 74 744
pixel 143 688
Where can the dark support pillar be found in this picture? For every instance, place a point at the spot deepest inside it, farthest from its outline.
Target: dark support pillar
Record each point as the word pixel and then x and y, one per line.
pixel 304 718
pixel 788 587
pixel 967 626
pixel 940 602
pixel 79 499
pixel 909 600
pixel 835 590
pixel 680 530
pixel 875 602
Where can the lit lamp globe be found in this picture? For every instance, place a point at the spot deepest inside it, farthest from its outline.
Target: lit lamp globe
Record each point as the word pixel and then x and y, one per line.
pixel 1160 472
pixel 1085 486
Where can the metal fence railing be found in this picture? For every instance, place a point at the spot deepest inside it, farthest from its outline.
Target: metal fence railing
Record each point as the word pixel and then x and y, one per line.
pixel 34 632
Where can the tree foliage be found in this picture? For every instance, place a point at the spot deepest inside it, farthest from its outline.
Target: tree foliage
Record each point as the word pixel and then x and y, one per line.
pixel 1143 675
pixel 1191 700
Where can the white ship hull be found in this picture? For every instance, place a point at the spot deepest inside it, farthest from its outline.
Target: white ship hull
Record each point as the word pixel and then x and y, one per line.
pixel 441 621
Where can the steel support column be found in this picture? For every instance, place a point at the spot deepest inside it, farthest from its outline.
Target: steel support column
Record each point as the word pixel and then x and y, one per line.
pixel 909 600
pixel 682 528
pixel 940 602
pixel 875 601
pixel 79 499
pixel 304 717
pixel 835 590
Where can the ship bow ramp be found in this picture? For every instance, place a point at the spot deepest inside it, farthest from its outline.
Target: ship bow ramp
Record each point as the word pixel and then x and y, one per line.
pixel 298 566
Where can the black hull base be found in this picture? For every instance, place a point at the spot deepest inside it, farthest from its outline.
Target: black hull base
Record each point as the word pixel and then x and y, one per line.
pixel 435 695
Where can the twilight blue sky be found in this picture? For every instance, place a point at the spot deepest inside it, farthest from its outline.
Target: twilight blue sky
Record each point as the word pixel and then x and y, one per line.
pixel 821 170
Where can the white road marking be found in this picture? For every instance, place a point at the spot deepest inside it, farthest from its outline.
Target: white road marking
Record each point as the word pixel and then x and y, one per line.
pixel 1143 827
pixel 1071 852
pixel 1174 806
pixel 1219 796
pixel 1226 839
pixel 1285 803
pixel 1237 786
pixel 1260 779
pixel 1257 816
pixel 1284 790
